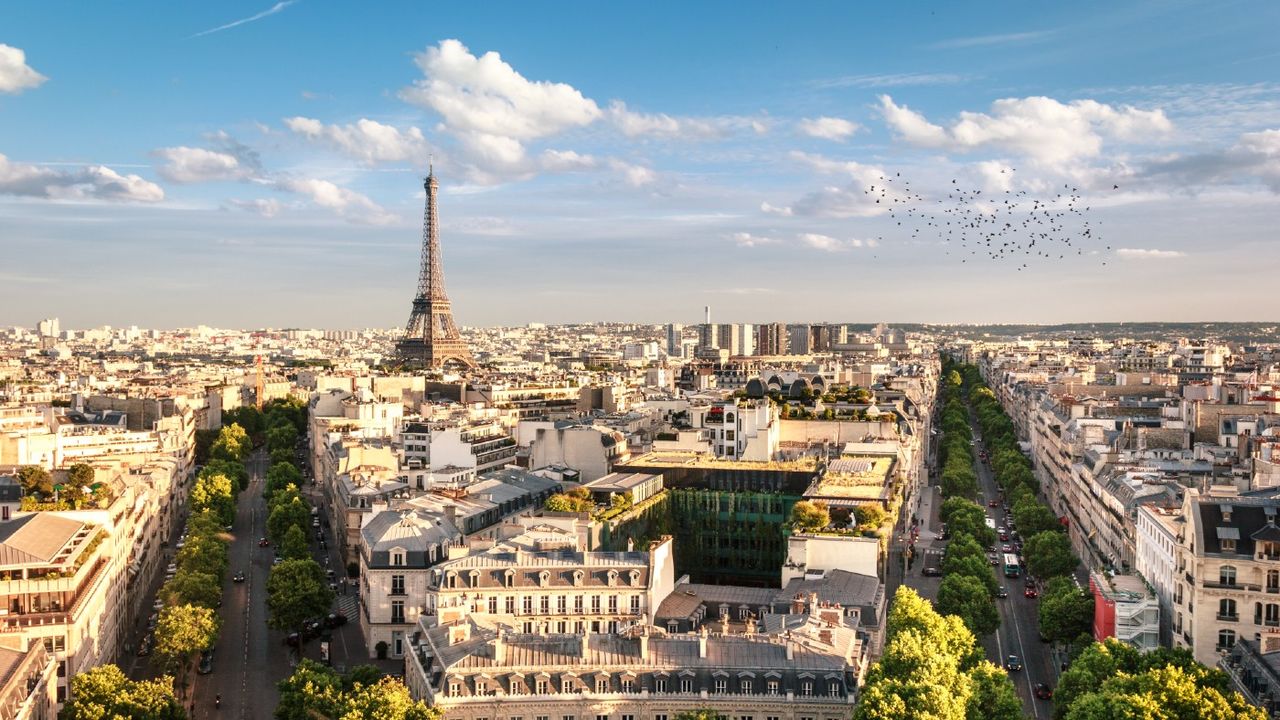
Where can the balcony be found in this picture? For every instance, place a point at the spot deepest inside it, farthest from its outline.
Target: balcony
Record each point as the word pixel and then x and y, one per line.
pixel 1232 586
pixel 1233 617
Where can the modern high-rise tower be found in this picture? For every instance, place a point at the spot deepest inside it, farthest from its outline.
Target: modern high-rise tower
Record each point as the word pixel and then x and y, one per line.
pixel 430 338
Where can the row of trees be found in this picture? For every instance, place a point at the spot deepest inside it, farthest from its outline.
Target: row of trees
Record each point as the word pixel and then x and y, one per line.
pixel 933 667
pixel 968 586
pixel 1065 610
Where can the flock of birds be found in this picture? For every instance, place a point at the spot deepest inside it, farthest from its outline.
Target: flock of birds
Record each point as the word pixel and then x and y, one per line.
pixel 1009 226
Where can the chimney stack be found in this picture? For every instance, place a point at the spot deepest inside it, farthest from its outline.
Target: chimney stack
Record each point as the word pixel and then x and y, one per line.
pixel 586 640
pixel 451 514
pixel 702 642
pixel 644 646
pixel 499 649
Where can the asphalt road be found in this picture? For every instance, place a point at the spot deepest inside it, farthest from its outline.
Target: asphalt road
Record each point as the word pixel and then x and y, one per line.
pixel 1019 616
pixel 250 658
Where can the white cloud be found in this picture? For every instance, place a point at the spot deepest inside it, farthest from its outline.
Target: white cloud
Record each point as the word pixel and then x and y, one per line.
pixel 828 128
pixel 745 239
pixel 368 141
pixel 866 196
pixel 95 182
pixel 986 40
pixel 891 80
pixel 349 204
pixel 1149 254
pixel 486 96
pixel 268 207
pixel 784 211
pixel 826 243
pixel 566 161
pixel 634 175
pixel 1040 128
pixel 15 74
pixel 1254 157
pixel 190 165
pixel 662 125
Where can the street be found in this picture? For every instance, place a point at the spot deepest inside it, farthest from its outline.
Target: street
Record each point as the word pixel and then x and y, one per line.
pixel 1019 616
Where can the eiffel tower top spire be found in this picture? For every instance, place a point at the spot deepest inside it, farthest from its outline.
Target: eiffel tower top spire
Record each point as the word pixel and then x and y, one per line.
pixel 430 337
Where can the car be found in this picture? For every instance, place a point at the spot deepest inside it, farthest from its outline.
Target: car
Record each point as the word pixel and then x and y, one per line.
pixel 1013 663
pixel 329 573
pixel 277 560
pixel 263 542
pixel 335 620
pixel 206 662
pixel 228 528
pixel 1006 548
pixel 1002 592
pixel 173 568
pixel 1044 692
pixel 993 503
pixel 993 559
pixel 1004 536
pixel 931 572
pixel 238 577
pixel 292 639
pixel 1031 593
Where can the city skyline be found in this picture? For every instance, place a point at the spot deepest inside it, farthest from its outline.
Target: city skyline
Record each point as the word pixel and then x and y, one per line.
pixel 251 165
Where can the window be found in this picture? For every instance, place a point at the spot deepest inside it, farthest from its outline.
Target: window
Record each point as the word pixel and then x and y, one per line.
pixel 635 604
pixel 728 435
pixel 560 604
pixel 742 613
pixel 660 685
pixel 595 603
pixel 806 688
pixel 397 584
pixel 628 685
pixel 511 605
pixel 566 686
pixel 397 558
pixel 514 689
pixel 1228 545
pixel 1226 639
pixel 771 687
pixel 659 717
pixel 541 717
pixel 1177 624
pixel 526 605
pixel 602 717
pixel 397 611
pixel 542 687
pixel 544 604
pixel 613 603
pixel 686 685
pixel 562 627
pixel 834 689
pixel 1227 609
pixel 493 604
pixel 722 685
pixel 673 626
pixel 628 717
pixel 1272 617
pixel 577 604
pixel 455 689
pixel 1227 575
pixel 602 685
pixel 746 685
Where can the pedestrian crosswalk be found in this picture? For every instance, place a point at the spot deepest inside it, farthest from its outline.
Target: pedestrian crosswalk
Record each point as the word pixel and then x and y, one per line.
pixel 347 605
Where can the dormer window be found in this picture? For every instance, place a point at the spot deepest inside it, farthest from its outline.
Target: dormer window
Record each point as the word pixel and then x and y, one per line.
pixel 577 578
pixel 544 578
pixel 635 577
pixel 613 577
pixel 475 578
pixel 1226 513
pixel 509 578
pixel 1227 539
pixel 397 558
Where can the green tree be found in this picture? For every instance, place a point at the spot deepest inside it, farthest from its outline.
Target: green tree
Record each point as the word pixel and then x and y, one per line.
pixel 294 545
pixel 192 588
pixel 1034 518
pixel 35 480
pixel 286 515
pixel 1049 555
pixel 296 591
pixel 282 437
pixel 576 500
pixel 213 492
pixel 106 693
pixel 970 599
pixel 232 444
pixel 181 632
pixel 869 516
pixel 974 567
pixel 809 516
pixel 233 469
pixel 1065 611
pixel 993 695
pixel 698 714
pixel 248 418
pixel 1168 693
pixel 281 476
pixel 204 554
pixel 947 632
pixel 282 455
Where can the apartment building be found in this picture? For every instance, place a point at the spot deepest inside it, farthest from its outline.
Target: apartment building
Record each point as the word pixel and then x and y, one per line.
pixel 1125 609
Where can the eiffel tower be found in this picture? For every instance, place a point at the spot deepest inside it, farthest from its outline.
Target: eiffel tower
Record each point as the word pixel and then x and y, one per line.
pixel 430 338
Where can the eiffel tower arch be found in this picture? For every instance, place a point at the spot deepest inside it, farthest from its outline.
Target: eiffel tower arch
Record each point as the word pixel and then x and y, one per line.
pixel 430 337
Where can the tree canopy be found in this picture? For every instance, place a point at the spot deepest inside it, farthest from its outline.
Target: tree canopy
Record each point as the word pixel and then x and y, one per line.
pixel 969 598
pixel 106 693
pixel 297 590
pixel 1049 554
pixel 315 690
pixel 807 516
pixel 1065 610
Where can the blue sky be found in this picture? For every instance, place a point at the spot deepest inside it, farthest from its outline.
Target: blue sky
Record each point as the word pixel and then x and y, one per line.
pixel 254 164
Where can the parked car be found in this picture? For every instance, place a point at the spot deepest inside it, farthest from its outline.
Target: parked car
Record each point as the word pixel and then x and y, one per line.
pixel 993 559
pixel 276 560
pixel 1013 663
pixel 206 662
pixel 1044 692
pixel 292 639
pixel 931 572
pixel 335 620
pixel 1001 592
pixel 238 577
pixel 263 542
pixel 993 503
